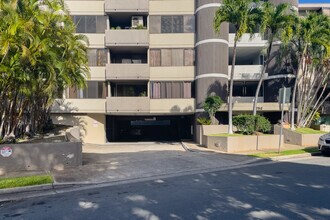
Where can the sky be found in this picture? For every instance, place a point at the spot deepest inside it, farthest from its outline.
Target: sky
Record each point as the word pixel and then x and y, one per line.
pixel 314 1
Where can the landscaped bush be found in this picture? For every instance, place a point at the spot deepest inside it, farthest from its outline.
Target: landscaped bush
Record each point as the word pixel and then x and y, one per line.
pixel 249 124
pixel 262 124
pixel 204 121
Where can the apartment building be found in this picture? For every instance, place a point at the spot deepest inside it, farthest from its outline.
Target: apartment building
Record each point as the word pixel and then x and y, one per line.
pixel 153 63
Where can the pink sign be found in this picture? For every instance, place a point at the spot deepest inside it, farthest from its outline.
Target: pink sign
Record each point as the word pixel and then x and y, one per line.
pixel 6 151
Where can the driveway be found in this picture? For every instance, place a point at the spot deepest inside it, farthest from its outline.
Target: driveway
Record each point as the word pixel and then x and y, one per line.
pixel 118 162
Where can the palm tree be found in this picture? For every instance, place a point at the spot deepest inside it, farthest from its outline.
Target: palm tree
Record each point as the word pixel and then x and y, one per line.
pixel 310 32
pixel 39 55
pixel 275 22
pixel 243 14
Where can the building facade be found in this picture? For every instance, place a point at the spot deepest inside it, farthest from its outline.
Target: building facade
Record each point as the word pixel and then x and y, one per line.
pixel 153 63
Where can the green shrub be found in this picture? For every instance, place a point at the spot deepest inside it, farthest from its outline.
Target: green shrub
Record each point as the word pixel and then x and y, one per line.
pixel 204 121
pixel 212 105
pixel 249 124
pixel 262 124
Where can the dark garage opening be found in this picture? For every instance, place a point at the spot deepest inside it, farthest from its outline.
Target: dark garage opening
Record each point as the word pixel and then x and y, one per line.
pixel 148 128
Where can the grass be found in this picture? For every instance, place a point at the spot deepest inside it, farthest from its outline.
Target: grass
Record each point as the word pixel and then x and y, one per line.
pixel 25 181
pixel 308 131
pixel 285 153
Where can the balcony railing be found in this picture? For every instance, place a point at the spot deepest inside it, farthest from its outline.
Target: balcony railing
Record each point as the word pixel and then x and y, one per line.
pixel 131 37
pixel 246 72
pixel 116 71
pixel 129 105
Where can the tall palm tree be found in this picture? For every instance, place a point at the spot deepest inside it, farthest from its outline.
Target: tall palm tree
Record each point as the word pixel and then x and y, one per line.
pixel 243 14
pixel 275 22
pixel 310 32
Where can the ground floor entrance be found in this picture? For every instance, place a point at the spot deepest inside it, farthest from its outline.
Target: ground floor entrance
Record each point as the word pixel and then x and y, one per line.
pixel 149 128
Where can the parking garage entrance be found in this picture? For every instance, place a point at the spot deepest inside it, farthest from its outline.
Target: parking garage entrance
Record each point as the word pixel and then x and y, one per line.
pixel 149 128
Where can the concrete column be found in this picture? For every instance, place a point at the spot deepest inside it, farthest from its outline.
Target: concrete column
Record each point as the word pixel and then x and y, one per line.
pixel 211 53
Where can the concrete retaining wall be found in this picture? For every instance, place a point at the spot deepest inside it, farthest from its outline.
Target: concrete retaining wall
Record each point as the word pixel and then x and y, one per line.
pixel 241 143
pixel 209 129
pixel 41 156
pixel 292 137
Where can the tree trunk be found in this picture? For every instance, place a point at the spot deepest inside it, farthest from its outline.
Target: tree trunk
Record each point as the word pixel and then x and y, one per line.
pixel 264 68
pixel 230 104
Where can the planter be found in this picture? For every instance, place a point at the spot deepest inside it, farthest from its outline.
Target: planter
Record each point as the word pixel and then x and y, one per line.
pixel 209 129
pixel 231 144
pixel 292 137
pixel 39 156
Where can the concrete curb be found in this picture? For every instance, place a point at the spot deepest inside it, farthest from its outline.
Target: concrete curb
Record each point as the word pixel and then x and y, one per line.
pixel 295 156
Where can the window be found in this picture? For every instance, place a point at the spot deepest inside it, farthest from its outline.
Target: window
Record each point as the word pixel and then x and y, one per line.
pixel 94 90
pixel 246 89
pixel 129 90
pixel 172 24
pixel 168 90
pixel 172 57
pixel 89 24
pixel 97 57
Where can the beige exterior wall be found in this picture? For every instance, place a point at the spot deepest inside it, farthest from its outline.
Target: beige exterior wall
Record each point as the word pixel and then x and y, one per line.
pixel 168 7
pixel 127 38
pixel 128 105
pixel 85 7
pixel 79 106
pixel 185 40
pixel 92 126
pixel 172 73
pixel 126 5
pixel 96 40
pixel 172 106
pixel 97 73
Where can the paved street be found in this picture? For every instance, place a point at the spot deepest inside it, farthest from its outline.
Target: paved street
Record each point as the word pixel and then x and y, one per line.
pixel 297 189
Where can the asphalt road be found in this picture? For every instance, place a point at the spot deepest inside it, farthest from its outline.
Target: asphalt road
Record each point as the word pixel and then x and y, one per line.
pixel 298 189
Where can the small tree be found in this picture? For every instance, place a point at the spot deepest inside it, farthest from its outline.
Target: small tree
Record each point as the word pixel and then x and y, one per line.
pixel 212 105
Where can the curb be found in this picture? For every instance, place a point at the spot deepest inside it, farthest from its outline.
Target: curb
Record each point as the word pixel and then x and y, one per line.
pixel 294 156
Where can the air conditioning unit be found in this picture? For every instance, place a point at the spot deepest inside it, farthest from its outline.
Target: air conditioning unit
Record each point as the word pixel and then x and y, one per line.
pixel 137 21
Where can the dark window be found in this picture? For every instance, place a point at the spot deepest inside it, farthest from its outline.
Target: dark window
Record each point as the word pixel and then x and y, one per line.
pixel 97 57
pixel 166 24
pixel 246 89
pixel 89 23
pixel 177 24
pixel 80 23
pixel 172 57
pixel 94 90
pixel 129 90
pixel 172 24
pixel 171 90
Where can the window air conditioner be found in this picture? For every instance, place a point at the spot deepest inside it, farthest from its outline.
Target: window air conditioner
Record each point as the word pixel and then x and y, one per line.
pixel 137 21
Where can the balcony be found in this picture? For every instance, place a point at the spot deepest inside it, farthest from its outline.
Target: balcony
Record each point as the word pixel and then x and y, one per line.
pixel 79 106
pixel 129 38
pixel 128 105
pixel 246 41
pixel 126 5
pixel 172 106
pixel 246 72
pixel 119 71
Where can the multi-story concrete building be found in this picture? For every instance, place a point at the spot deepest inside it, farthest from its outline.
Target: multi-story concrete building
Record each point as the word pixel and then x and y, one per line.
pixel 153 63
